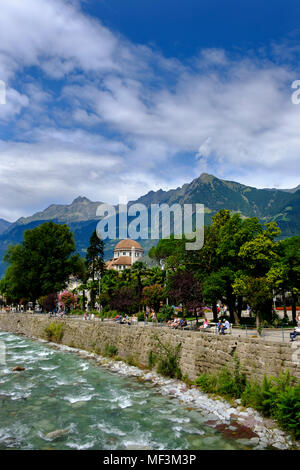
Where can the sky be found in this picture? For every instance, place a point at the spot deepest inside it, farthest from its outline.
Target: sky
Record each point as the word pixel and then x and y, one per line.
pixel 110 99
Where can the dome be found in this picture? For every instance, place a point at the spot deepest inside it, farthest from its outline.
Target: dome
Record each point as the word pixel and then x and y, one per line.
pixel 127 245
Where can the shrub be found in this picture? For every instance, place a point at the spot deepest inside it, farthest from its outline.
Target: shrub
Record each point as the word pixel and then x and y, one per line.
pixel 110 350
pixel 207 382
pixel 168 360
pixel 76 312
pixel 225 382
pixel 166 313
pixel 54 332
pixel 131 360
pixel 278 398
pixel 252 395
pixel 140 316
pixel 151 359
pixel 110 313
pixel 287 411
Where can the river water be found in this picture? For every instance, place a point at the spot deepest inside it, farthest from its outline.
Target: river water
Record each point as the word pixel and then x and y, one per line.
pixel 98 408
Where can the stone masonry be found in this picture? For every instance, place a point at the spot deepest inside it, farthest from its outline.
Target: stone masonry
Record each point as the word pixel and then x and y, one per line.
pixel 200 352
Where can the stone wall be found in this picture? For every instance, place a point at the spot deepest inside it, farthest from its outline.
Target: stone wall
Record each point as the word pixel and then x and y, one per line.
pixel 200 352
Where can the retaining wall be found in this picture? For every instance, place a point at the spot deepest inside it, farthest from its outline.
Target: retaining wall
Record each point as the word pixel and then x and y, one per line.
pixel 200 352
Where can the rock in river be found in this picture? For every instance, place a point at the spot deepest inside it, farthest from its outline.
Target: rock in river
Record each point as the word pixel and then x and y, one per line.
pixel 56 434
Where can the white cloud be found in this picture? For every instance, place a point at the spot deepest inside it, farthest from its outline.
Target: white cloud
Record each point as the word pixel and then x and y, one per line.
pixel 125 112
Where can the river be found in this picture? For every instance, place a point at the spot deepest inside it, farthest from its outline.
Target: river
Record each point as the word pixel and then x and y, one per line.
pixel 97 409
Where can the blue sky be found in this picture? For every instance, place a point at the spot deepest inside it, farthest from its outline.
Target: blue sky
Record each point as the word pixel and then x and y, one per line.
pixel 110 98
pixel 181 28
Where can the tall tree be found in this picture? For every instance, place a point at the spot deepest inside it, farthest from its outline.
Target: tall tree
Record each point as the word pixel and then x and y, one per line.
pixel 41 264
pixel 184 288
pixel 95 263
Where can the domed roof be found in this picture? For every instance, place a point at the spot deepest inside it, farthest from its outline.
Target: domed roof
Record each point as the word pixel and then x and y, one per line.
pixel 127 245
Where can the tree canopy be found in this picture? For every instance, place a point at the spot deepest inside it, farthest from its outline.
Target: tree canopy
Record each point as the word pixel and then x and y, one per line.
pixel 41 264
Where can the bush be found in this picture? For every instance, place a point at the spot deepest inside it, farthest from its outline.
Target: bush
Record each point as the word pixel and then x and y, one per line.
pixel 207 382
pixel 252 395
pixel 166 313
pixel 225 382
pixel 110 313
pixel 110 350
pixel 168 360
pixel 131 360
pixel 77 312
pixel 54 332
pixel 151 359
pixel 140 316
pixel 278 398
pixel 287 411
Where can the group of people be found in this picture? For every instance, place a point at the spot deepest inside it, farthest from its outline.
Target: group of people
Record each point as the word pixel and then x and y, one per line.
pixel 88 316
pixel 150 314
pixel 177 323
pixel 222 326
pixel 125 320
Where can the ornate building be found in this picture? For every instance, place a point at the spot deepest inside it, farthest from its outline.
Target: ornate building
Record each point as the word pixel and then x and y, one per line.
pixel 126 252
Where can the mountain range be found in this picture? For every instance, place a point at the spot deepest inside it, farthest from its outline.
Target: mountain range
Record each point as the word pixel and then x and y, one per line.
pixel 280 205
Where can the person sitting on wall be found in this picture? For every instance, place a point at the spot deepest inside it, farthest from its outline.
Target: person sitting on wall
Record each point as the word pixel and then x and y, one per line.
pixel 220 326
pixel 127 320
pixel 205 324
pixel 226 326
pixel 86 315
pixel 175 323
pixel 296 331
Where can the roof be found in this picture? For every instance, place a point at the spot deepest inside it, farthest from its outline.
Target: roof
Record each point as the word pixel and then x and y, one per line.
pixel 123 260
pixel 127 245
pixel 109 264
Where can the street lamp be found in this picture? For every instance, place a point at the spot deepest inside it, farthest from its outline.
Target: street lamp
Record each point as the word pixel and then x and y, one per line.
pixel 163 268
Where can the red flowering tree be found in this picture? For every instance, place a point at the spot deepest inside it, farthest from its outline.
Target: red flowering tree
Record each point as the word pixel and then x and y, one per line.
pixel 152 296
pixel 185 289
pixel 67 300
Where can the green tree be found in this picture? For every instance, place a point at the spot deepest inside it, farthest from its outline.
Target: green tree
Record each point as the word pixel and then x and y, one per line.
pixel 185 289
pixel 95 263
pixel 290 257
pixel 41 264
pixel 153 296
pixel 258 294
pixel 258 256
